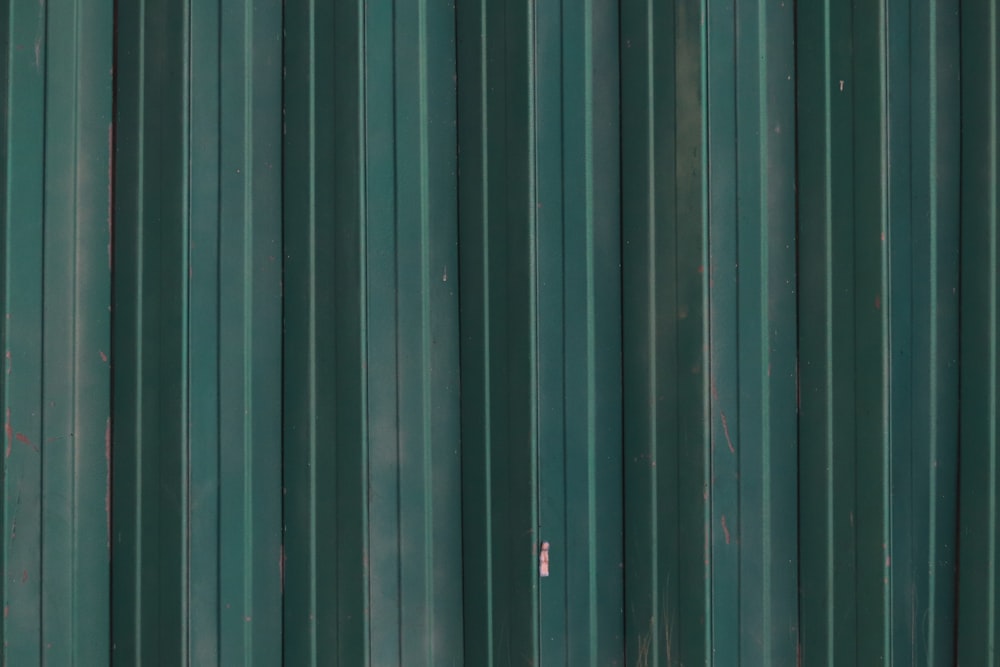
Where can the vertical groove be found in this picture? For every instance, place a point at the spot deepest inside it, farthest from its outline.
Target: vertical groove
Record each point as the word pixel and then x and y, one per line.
pixel 589 280
pixel 425 334
pixel 247 325
pixel 185 335
pixel 140 276
pixel 313 334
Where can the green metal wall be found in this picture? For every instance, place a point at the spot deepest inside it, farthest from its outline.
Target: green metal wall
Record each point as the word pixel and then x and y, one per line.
pixel 700 297
pixel 55 263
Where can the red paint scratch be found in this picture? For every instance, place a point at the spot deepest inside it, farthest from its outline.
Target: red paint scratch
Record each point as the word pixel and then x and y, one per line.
pixel 8 432
pixel 725 430
pixel 878 302
pixel 281 567
pixel 10 362
pixel 22 438
pixel 104 357
pixel 707 546
pixel 725 528
pixel 24 576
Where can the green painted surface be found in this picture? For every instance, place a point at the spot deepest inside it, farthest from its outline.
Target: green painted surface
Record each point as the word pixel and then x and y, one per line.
pixel 698 299
pixel 498 228
pixel 978 592
pixel 55 333
pixel 197 432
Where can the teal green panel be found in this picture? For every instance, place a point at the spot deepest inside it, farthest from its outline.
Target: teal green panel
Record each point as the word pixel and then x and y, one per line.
pixel 55 333
pixel 843 334
pixel 150 271
pixel 497 231
pixel 415 542
pixel 978 593
pixel 197 508
pixel 742 509
pixel 325 448
pixel 76 378
pixel 249 378
pixel 579 333
pixel 665 328
pixel 923 234
pixel 761 333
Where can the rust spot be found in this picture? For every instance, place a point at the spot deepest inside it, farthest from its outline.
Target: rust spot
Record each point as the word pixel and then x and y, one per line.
pixel 878 302
pixel 725 528
pixel 6 611
pixel 725 430
pixel 281 567
pixel 8 432
pixel 24 576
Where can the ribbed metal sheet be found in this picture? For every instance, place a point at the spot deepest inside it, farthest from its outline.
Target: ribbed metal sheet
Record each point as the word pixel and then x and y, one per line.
pixel 500 332
pixel 55 250
pixel 197 332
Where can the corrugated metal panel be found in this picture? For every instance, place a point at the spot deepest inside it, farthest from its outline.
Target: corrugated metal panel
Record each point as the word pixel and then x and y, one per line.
pixel 55 254
pixel 325 459
pixel 718 278
pixel 197 332
pixel 873 310
pixel 541 298
pixel 710 327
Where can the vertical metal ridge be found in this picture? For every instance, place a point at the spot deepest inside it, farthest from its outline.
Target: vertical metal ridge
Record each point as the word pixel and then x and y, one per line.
pixel 184 407
pixel 382 411
pixel 425 336
pixel 828 342
pixel 140 280
pixel 312 649
pixel 247 439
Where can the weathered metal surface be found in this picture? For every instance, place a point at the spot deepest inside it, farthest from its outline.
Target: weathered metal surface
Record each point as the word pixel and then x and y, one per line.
pixel 55 249
pixel 197 331
pixel 500 332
